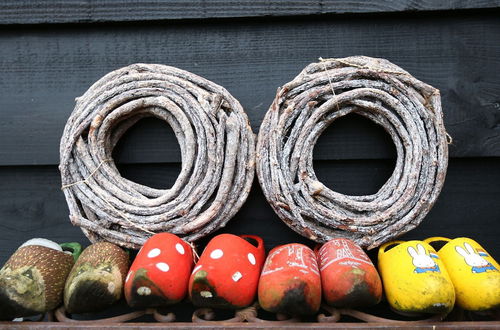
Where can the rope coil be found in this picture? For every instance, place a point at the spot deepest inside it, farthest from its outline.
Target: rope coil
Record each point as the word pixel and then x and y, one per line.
pixel 408 109
pixel 217 150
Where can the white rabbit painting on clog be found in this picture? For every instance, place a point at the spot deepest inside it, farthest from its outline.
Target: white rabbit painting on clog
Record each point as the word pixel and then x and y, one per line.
pixel 422 261
pixel 474 259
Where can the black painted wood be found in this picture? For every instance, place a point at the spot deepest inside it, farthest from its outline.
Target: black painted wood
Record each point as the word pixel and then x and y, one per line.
pixel 70 11
pixel 44 68
pixel 32 205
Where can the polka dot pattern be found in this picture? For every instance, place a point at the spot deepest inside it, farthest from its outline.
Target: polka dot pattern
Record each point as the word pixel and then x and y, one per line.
pixel 154 253
pixel 251 258
pixel 163 267
pixel 180 248
pixel 236 276
pixel 216 254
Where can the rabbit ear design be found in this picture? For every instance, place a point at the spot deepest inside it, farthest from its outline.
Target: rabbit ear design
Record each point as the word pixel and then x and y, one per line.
pixel 421 249
pixel 469 248
pixel 412 252
pixel 461 251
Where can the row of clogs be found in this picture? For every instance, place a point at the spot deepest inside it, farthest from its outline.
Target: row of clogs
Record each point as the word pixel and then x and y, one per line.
pixel 418 278
pixel 233 270
pixel 41 274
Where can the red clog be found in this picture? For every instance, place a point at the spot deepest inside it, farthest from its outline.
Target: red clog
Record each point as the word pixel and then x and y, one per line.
pixel 159 274
pixel 290 281
pixel 348 277
pixel 227 274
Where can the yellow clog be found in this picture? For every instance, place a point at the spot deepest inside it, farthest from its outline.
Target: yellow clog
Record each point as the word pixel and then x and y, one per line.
pixel 415 279
pixel 475 274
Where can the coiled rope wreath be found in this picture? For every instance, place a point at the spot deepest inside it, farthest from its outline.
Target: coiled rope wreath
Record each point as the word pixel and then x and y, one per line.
pixel 408 109
pixel 217 149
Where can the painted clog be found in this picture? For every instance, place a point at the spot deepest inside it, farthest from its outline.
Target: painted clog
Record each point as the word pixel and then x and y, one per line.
pixel 32 280
pixel 474 273
pixel 159 275
pixel 348 277
pixel 415 279
pixel 96 280
pixel 290 282
pixel 227 274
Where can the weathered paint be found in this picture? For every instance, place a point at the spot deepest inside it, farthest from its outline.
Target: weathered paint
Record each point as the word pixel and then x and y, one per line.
pixel 163 266
pixel 473 271
pixel 348 277
pixel 290 281
pixel 96 280
pixel 32 281
pixel 227 274
pixel 414 277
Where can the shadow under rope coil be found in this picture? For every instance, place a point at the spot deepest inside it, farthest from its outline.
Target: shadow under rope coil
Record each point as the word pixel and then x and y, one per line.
pixel 408 109
pixel 217 148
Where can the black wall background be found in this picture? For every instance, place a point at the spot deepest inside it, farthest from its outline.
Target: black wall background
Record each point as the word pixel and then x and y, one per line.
pixel 51 52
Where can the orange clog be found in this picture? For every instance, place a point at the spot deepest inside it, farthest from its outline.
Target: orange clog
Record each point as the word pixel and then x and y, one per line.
pixel 348 277
pixel 290 281
pixel 160 272
pixel 227 274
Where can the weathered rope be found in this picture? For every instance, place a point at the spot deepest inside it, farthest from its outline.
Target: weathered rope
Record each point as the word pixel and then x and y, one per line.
pixel 408 109
pixel 217 148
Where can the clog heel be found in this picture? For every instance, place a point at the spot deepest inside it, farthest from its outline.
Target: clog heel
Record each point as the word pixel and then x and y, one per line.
pixel 348 277
pixel 227 274
pixel 474 273
pixel 160 273
pixel 415 279
pixel 290 281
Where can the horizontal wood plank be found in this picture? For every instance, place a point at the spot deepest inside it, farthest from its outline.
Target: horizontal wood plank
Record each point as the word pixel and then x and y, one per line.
pixel 227 325
pixel 44 69
pixel 79 11
pixel 32 205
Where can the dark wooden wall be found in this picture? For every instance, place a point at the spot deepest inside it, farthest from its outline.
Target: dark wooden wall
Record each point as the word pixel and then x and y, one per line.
pixel 52 51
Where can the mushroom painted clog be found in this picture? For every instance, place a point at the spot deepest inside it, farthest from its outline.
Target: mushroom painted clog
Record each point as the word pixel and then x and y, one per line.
pixel 96 280
pixel 160 273
pixel 474 273
pixel 348 277
pixel 227 274
pixel 415 279
pixel 32 280
pixel 290 282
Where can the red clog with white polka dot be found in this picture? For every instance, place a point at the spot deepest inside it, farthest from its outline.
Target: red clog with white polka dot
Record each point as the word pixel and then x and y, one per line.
pixel 290 282
pixel 159 274
pixel 227 274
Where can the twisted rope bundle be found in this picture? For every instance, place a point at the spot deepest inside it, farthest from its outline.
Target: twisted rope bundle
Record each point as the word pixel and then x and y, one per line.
pixel 408 109
pixel 217 149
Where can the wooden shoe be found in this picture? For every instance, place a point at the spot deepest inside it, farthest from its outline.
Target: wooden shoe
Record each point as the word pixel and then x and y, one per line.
pixel 290 281
pixel 32 280
pixel 348 277
pixel 227 274
pixel 96 280
pixel 415 278
pixel 475 274
pixel 160 273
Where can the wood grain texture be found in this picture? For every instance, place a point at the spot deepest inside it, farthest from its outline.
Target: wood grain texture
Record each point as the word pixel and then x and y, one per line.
pixel 44 68
pixel 68 11
pixel 32 205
